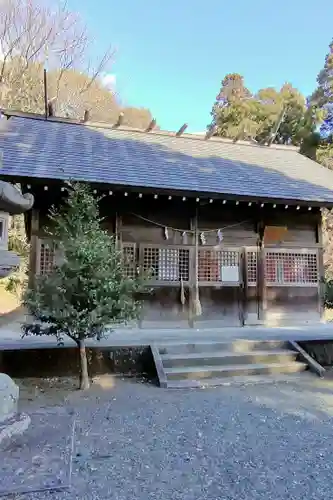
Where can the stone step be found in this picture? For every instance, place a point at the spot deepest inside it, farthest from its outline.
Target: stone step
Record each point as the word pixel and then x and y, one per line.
pixel 238 345
pixel 223 358
pixel 243 380
pixel 214 372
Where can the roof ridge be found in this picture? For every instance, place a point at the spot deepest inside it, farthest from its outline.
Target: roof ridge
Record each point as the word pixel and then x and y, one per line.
pixel 125 128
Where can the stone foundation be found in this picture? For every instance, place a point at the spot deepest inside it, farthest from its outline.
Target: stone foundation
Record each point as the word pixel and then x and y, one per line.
pixel 61 362
pixel 320 350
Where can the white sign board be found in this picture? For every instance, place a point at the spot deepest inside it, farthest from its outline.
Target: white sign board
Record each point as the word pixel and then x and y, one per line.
pixel 230 274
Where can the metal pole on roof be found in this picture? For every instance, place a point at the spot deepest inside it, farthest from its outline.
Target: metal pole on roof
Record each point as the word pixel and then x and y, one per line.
pixel 46 107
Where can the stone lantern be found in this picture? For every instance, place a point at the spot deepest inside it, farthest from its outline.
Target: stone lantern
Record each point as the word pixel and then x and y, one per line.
pixel 11 202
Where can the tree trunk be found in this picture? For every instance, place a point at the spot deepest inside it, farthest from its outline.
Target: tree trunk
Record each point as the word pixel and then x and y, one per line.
pixel 84 377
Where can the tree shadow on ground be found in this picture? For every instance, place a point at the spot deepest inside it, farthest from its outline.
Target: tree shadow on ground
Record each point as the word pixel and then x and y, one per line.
pixel 309 398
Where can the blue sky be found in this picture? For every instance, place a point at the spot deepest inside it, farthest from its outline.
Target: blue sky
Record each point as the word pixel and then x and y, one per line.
pixel 171 56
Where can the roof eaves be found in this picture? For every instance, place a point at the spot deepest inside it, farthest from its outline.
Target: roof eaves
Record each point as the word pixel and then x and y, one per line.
pixel 217 196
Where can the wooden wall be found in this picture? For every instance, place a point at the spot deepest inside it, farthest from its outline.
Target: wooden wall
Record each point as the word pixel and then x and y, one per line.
pixel 226 306
pixel 222 306
pixel 287 305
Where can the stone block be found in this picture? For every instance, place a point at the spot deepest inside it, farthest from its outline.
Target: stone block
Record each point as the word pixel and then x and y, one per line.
pixel 9 395
pixel 13 427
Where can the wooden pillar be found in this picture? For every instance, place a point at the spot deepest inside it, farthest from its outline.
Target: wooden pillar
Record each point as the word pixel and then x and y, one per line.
pixel 243 287
pixel 321 268
pixel 118 237
pixel 193 269
pixel 34 246
pixel 261 285
pixel 117 229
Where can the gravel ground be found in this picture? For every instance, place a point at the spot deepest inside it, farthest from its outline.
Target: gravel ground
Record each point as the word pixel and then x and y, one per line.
pixel 134 441
pixel 40 458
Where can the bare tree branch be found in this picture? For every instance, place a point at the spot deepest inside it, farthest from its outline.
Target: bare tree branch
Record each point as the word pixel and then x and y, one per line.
pixel 106 59
pixel 42 33
pixel 38 34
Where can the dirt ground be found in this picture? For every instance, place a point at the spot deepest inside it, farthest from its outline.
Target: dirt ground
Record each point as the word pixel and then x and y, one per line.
pixel 42 393
pixel 36 393
pixel 8 301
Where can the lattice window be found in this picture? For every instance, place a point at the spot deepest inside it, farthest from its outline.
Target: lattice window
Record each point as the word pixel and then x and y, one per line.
pixel 291 268
pixel 46 257
pixel 251 262
pixel 218 265
pixel 166 264
pixel 129 255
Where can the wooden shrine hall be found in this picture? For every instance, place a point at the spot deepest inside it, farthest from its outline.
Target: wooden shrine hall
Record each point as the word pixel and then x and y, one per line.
pixel 230 232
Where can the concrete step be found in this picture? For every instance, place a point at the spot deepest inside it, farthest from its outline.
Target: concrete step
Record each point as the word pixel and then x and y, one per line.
pixel 213 372
pixel 223 358
pixel 238 345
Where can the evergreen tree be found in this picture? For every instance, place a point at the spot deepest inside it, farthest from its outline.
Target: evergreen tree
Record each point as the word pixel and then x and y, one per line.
pixel 235 111
pixel 88 289
pixel 322 102
pixel 232 90
pixel 268 115
pixel 322 98
pixel 293 124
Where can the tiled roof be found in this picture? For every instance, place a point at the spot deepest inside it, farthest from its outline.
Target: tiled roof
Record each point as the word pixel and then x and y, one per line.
pixel 55 149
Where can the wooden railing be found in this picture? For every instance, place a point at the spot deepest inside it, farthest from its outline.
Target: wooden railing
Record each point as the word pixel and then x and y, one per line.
pixel 169 264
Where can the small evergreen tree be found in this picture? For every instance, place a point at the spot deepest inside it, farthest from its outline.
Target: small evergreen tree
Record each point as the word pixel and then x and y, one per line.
pixel 88 289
